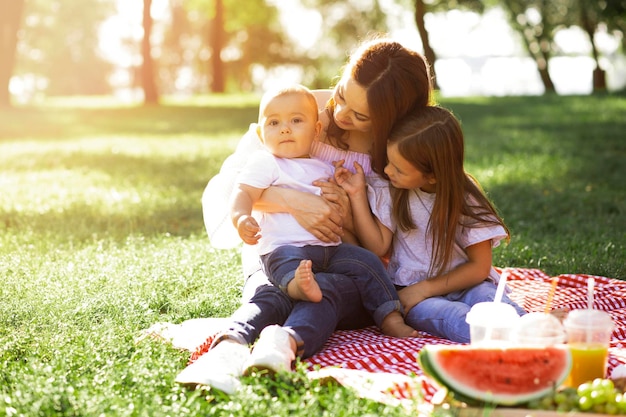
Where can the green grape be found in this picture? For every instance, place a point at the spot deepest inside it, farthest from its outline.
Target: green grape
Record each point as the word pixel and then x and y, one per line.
pixel 546 403
pixel 620 400
pixel 598 408
pixel 611 409
pixel 584 389
pixel 534 404
pixel 564 407
pixel 585 403
pixel 604 384
pixel 561 397
pixel 598 396
pixel 611 396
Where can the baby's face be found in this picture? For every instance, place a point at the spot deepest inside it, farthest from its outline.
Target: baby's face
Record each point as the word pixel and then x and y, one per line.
pixel 289 125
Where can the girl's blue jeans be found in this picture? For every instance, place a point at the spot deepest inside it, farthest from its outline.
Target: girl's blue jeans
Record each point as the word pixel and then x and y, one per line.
pixel 444 316
pixel 378 294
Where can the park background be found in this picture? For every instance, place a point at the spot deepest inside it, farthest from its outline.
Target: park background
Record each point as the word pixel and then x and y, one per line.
pixel 105 150
pixel 146 49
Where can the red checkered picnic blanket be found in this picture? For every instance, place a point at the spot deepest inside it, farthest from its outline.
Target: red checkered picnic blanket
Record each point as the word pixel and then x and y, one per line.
pixel 370 351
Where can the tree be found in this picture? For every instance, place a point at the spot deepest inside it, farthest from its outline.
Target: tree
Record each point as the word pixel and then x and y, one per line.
pixel 537 21
pixel 151 95
pixel 226 41
pixel 591 14
pixel 10 21
pixel 422 7
pixel 429 52
pixel 613 14
pixel 588 12
pixel 58 47
pixel 216 41
pixel 343 25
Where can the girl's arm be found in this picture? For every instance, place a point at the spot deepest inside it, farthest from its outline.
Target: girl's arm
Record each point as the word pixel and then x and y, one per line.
pixel 466 275
pixel 312 212
pixel 372 234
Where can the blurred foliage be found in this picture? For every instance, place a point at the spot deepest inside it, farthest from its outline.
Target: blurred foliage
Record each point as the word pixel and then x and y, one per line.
pixel 58 46
pixel 253 36
pixel 58 41
pixel 343 25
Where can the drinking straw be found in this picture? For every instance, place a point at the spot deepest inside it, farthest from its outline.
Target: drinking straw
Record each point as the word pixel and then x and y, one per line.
pixel 590 282
pixel 501 285
pixel 498 297
pixel 555 281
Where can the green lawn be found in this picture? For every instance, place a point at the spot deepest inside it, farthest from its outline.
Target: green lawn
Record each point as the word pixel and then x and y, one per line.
pixel 101 235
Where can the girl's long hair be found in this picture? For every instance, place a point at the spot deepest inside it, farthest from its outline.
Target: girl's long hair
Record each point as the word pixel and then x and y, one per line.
pixel 431 139
pixel 396 79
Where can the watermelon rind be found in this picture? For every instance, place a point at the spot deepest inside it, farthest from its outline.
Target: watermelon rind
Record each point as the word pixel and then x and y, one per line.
pixel 500 376
pixel 424 364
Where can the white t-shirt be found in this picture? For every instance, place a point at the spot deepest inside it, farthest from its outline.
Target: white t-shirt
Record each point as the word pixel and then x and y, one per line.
pixel 412 251
pixel 264 170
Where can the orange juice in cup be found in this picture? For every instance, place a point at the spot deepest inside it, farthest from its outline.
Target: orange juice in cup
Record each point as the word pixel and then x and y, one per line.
pixel 588 336
pixel 588 362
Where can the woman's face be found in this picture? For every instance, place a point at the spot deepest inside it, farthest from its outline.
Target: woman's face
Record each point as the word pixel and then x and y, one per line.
pixel 351 108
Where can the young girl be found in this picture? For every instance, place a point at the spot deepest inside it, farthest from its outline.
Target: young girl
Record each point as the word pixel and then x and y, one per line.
pixel 436 218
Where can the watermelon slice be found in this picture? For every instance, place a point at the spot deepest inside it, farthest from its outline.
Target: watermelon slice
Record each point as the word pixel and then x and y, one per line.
pixel 499 376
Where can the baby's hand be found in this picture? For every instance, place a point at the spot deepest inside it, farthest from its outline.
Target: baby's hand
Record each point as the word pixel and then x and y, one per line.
pixel 249 230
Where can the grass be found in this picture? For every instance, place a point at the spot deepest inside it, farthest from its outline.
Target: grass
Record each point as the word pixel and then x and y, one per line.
pixel 101 236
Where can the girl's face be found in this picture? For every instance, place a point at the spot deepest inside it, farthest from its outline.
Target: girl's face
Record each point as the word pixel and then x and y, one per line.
pixel 402 174
pixel 351 108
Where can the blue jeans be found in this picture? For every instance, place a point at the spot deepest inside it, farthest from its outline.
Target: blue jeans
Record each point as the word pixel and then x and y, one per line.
pixel 267 305
pixel 378 293
pixel 310 324
pixel 444 316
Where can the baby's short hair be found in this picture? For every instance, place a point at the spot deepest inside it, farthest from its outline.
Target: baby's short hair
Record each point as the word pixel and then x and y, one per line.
pixel 285 90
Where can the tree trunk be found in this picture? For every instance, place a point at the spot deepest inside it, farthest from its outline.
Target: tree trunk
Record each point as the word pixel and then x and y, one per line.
pixel 542 56
pixel 151 95
pixel 599 75
pixel 429 53
pixel 10 20
pixel 548 85
pixel 217 44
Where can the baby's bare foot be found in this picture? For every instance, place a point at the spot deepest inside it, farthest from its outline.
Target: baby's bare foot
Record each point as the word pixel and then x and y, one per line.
pixel 394 325
pixel 303 285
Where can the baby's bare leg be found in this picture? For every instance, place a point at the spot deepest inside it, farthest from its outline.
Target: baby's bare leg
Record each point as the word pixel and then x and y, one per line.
pixel 303 285
pixel 393 325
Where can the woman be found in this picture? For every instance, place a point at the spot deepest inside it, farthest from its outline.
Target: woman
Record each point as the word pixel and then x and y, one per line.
pixel 382 82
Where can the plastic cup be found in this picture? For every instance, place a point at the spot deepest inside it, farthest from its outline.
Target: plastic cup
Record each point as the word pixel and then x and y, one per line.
pixel 538 329
pixel 588 336
pixel 491 323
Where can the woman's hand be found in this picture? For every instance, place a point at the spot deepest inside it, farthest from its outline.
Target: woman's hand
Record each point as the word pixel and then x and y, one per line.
pixel 320 217
pixel 338 198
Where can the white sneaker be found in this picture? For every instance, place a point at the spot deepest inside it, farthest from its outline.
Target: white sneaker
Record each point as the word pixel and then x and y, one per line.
pixel 272 352
pixel 218 368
